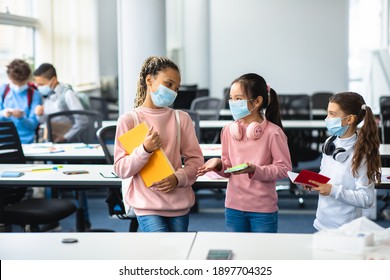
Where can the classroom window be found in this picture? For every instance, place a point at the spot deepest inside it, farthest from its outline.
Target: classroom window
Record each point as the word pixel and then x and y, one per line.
pixel 368 35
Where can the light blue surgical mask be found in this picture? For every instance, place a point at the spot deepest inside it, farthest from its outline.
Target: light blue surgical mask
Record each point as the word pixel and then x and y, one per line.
pixel 17 89
pixel 239 109
pixel 163 97
pixel 45 90
pixel 335 127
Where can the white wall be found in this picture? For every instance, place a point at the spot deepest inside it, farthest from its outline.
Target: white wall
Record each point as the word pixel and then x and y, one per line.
pixel 298 46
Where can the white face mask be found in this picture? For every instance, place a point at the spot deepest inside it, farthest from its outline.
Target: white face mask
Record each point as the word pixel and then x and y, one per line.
pixel 17 89
pixel 45 90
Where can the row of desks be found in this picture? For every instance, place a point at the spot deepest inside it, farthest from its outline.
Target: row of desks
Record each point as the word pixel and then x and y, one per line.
pixel 99 175
pixel 93 152
pixel 166 246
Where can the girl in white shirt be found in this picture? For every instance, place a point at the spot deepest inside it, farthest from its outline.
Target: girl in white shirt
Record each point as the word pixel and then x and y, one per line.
pixel 350 159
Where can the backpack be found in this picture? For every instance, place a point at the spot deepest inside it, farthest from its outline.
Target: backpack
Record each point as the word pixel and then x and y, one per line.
pixel 30 92
pixel 82 96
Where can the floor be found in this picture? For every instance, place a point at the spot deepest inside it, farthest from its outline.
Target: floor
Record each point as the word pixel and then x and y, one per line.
pixel 293 218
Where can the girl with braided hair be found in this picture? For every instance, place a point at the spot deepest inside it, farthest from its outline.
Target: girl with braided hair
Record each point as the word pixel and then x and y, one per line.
pixel 350 159
pixel 166 204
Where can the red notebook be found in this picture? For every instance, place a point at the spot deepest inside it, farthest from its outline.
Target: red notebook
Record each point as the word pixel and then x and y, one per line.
pixel 305 175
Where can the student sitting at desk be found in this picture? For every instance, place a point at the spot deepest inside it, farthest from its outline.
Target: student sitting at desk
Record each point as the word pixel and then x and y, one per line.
pixel 59 97
pixel 350 159
pixel 164 206
pixel 258 140
pixel 18 100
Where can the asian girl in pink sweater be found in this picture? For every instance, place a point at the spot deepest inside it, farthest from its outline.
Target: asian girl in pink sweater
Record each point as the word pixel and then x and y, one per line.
pixel 257 139
pixel 165 206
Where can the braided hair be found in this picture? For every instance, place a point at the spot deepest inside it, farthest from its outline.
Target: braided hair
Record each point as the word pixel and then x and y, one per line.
pixel 151 66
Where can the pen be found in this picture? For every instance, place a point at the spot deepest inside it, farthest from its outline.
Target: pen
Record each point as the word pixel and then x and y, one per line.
pixel 87 146
pixel 47 169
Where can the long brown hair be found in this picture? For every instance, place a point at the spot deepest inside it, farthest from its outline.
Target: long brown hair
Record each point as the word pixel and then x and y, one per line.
pixel 367 145
pixel 151 66
pixel 254 85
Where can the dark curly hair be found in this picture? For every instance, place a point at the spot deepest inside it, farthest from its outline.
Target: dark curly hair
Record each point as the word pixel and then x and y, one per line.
pixel 19 71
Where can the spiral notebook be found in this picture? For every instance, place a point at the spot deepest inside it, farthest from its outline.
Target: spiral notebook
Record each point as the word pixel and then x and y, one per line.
pixel 158 166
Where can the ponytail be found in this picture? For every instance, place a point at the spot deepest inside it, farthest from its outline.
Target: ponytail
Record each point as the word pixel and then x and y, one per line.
pixel 367 147
pixel 272 112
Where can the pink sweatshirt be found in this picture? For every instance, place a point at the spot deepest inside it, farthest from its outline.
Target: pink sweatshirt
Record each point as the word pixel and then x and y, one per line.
pixel 147 201
pixel 255 192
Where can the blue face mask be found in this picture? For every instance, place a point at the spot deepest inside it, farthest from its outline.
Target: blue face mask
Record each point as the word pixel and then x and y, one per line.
pixel 239 109
pixel 163 97
pixel 335 127
pixel 45 90
pixel 17 89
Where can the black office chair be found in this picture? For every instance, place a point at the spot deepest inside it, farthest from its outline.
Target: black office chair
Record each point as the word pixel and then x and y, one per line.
pixel 195 119
pixel 384 104
pixel 295 106
pixel 88 122
pixel 184 98
pixel 14 209
pixel 208 108
pixel 303 143
pixel 100 105
pixel 320 99
pixel 116 208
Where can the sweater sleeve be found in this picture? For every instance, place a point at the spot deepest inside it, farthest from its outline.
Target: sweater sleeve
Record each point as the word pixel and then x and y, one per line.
pixel 362 196
pixel 281 160
pixel 190 151
pixel 126 165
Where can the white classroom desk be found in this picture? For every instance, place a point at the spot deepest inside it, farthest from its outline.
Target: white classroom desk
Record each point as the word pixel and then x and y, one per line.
pixel 96 246
pixel 287 124
pixel 89 153
pixel 63 152
pixel 56 178
pixel 263 246
pixel 163 246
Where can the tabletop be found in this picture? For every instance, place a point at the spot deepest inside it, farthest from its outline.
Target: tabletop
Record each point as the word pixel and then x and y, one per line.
pixel 96 246
pixel 262 246
pixel 87 152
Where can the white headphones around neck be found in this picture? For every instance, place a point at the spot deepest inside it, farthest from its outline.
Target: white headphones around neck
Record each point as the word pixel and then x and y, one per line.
pixel 253 131
pixel 339 154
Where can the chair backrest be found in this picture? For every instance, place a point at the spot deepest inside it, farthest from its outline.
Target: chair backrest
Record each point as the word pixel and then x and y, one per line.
pixel 384 104
pixel 106 137
pixel 195 119
pixel 295 106
pixel 320 99
pixel 10 152
pixel 87 123
pixel 100 105
pixel 207 107
pixel 10 146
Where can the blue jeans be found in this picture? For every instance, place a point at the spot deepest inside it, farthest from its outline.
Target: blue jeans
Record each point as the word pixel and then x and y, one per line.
pixel 242 221
pixel 154 223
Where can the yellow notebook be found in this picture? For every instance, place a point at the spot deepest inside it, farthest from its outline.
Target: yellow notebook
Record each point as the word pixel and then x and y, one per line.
pixel 158 166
